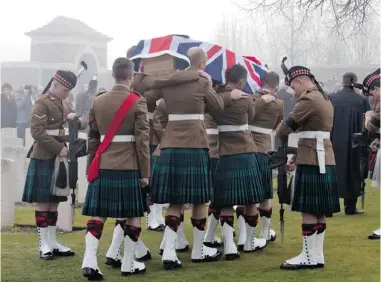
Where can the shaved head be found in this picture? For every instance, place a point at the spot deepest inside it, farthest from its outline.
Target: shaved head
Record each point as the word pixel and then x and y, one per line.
pixel 197 57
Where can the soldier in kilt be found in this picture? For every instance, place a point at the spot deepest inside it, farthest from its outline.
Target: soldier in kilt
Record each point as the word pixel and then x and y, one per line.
pixel 49 114
pixel 142 253
pixel 268 114
pixel 183 166
pixel 316 194
pixel 237 176
pixel 124 168
pixel 371 86
pixel 211 240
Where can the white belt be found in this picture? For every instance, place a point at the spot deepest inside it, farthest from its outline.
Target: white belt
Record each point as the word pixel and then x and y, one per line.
pixel 233 128
pixel 260 130
pixel 185 117
pixel 320 137
pixel 150 115
pixel 121 138
pixel 55 132
pixel 212 131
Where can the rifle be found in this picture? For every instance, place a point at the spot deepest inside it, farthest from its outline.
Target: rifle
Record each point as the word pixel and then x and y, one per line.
pixel 278 159
pixel 362 141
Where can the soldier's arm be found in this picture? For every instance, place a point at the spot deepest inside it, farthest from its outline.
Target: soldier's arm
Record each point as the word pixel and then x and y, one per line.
pixel 299 114
pixel 38 127
pixel 259 104
pixel 151 97
pixel 161 114
pixel 94 137
pixel 214 102
pixel 142 138
pixel 280 117
pixel 252 109
pixel 82 121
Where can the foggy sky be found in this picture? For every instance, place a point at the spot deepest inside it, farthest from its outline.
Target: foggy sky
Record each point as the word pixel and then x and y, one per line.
pixel 126 21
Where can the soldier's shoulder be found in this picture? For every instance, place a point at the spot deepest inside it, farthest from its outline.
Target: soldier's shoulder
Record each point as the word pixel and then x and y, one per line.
pixel 102 92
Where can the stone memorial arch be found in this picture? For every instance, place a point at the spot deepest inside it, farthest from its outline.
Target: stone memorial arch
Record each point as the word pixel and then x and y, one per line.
pixel 61 44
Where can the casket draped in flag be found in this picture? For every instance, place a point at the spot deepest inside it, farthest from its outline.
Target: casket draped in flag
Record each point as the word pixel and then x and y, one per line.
pixel 219 59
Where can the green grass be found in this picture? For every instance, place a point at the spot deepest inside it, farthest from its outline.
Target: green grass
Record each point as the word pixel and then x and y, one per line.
pixel 349 255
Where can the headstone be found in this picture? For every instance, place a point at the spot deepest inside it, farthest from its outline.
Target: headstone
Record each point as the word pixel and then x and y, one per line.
pixel 9 132
pixel 17 154
pixel 8 171
pixel 8 141
pixel 65 216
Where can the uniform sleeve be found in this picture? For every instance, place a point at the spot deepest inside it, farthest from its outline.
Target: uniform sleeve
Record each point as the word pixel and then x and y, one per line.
pixel 260 104
pixel 300 113
pixel 161 114
pixel 280 118
pixel 151 97
pixel 94 137
pixel 82 121
pixel 38 127
pixel 142 138
pixel 251 109
pixel 214 102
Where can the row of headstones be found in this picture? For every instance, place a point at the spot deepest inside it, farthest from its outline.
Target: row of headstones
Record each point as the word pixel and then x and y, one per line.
pixel 14 166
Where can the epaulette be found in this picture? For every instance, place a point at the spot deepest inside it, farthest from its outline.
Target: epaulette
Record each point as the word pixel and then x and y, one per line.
pixel 101 93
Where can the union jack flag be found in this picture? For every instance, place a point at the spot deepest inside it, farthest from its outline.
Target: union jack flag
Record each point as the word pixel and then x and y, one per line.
pixel 219 59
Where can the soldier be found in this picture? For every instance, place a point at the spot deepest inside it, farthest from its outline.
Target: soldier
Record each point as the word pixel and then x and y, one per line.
pixel 84 100
pixel 268 114
pixel 48 117
pixel 183 166
pixel 124 168
pixel 372 123
pixel 211 240
pixel 316 195
pixel 238 178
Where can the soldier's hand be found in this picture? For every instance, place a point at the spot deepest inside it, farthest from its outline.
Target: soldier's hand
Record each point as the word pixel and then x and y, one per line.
pixel 291 166
pixel 144 182
pixel 206 76
pixel 64 152
pixel 71 116
pixel 236 94
pixel 369 114
pixel 268 98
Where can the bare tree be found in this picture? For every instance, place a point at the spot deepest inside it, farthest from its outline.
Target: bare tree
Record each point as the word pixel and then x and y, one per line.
pixel 341 13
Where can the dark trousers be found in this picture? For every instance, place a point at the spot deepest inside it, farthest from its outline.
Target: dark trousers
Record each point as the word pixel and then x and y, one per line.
pixel 350 205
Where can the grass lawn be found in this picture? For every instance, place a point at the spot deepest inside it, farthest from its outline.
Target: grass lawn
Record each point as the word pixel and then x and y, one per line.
pixel 349 255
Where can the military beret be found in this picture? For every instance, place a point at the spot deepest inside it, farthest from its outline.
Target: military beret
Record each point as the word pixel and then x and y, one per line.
pixel 370 80
pixel 66 78
pixel 295 72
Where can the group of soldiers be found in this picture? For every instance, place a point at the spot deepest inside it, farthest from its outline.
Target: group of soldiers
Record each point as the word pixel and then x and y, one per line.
pixel 190 142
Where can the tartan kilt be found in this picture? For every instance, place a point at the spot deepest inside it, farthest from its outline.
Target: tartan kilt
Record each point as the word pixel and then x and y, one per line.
pixel 152 150
pixel 315 193
pixel 213 165
pixel 238 181
pixel 267 175
pixel 115 194
pixel 181 175
pixel 38 181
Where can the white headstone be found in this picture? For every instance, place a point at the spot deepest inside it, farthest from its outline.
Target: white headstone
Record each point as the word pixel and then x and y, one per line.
pixel 9 132
pixel 8 171
pixel 17 154
pixel 65 216
pixel 8 141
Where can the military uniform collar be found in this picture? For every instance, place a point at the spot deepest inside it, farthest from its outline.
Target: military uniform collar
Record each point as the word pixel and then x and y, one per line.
pixel 121 87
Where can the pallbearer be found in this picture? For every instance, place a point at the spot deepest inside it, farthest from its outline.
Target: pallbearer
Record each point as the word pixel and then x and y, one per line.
pixel 316 195
pixel 49 114
pixel 268 114
pixel 118 145
pixel 238 178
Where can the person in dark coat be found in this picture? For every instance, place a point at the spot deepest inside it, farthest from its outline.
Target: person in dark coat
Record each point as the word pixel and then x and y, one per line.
pixel 8 107
pixel 85 99
pixel 289 100
pixel 349 110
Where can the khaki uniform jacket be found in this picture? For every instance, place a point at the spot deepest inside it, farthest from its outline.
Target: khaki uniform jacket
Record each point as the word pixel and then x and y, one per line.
pixel 160 123
pixel 49 113
pixel 120 155
pixel 312 112
pixel 240 112
pixel 373 125
pixel 186 92
pixel 267 115
pixel 211 125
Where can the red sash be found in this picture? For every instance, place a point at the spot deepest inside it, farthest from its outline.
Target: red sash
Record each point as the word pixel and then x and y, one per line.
pixel 93 172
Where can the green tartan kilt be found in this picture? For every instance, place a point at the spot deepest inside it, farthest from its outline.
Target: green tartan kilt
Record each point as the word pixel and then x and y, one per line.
pixel 315 193
pixel 181 175
pixel 238 181
pixel 267 175
pixel 152 150
pixel 38 181
pixel 213 165
pixel 115 194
